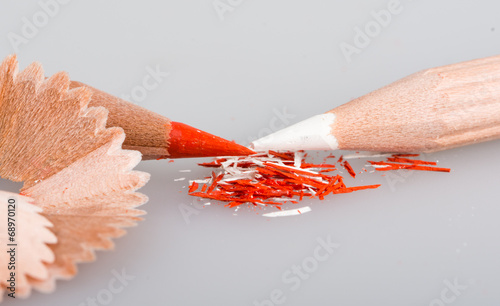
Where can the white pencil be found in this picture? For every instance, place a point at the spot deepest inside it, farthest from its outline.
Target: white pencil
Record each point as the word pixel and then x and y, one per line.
pixel 432 110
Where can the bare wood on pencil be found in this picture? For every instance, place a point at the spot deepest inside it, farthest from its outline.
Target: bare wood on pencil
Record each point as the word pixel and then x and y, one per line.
pixel 145 130
pixel 432 110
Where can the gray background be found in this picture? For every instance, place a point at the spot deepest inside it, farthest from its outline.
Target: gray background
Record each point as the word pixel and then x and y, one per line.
pixel 402 244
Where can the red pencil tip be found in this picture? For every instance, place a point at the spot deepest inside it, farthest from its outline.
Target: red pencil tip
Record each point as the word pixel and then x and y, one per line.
pixel 187 141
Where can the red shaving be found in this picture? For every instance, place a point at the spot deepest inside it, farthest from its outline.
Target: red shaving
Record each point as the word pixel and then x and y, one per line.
pixel 349 169
pixel 285 156
pixel 411 161
pixel 396 162
pixel 193 187
pixel 216 163
pixel 306 165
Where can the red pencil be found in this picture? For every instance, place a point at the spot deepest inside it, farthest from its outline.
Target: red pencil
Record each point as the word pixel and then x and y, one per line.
pixel 157 137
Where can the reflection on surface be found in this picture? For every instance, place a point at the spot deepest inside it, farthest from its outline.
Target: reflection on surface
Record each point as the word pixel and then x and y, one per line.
pixel 10 186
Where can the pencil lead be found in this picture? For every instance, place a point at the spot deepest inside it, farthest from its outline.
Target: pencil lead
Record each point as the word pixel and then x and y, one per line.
pixel 314 133
pixel 187 141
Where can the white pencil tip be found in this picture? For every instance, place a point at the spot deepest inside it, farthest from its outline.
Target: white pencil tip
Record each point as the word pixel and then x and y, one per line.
pixel 314 133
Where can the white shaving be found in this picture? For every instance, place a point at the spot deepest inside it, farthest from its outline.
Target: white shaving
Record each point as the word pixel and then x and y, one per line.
pixel 287 213
pixel 202 181
pixel 297 160
pixel 378 166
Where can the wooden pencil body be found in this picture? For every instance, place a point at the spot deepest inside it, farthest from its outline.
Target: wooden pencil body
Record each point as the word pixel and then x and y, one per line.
pixel 432 110
pixel 145 131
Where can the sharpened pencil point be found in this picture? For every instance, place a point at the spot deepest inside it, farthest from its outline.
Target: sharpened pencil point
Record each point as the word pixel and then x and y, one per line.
pixel 314 133
pixel 187 141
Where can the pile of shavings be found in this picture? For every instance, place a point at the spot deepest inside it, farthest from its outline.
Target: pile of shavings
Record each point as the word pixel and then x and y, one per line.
pixel 270 178
pixel 275 178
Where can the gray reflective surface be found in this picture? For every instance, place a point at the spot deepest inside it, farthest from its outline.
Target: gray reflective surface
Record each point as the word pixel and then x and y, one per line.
pixel 241 69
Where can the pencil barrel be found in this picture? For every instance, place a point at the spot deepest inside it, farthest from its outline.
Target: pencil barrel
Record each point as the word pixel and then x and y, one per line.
pixel 431 110
pixel 145 130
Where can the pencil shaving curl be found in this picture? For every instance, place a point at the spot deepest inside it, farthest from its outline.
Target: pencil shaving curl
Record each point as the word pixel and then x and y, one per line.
pixel 79 184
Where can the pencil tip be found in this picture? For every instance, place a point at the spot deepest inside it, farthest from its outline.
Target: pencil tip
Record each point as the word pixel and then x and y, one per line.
pixel 314 133
pixel 187 141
